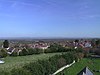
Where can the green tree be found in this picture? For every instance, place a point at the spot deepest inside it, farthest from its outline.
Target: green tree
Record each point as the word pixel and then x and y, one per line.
pixel 97 42
pixel 24 52
pixel 19 71
pixel 3 53
pixel 77 41
pixel 6 44
pixel 61 62
pixel 35 68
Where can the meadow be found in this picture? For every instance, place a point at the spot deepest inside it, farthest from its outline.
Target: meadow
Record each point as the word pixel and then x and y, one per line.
pixel 19 61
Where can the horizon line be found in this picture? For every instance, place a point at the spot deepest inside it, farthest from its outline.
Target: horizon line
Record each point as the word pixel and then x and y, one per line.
pixel 49 37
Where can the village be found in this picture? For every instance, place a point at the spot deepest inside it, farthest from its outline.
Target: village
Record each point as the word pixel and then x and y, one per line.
pixel 18 45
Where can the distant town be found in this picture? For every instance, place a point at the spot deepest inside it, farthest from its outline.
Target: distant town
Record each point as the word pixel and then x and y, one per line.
pixel 18 45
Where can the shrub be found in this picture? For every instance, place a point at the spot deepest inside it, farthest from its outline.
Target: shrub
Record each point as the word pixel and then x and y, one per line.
pixel 20 71
pixel 47 51
pixel 69 57
pixel 4 73
pixel 37 51
pixel 80 55
pixel 46 66
pixel 30 51
pixel 3 53
pixel 24 52
pixel 53 60
pixel 86 54
pixel 61 62
pixel 76 58
pixel 55 48
pixel 79 50
pixel 35 68
pixel 6 44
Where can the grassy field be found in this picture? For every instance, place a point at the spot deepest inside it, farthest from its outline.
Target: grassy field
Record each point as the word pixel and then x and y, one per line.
pixel 93 64
pixel 13 62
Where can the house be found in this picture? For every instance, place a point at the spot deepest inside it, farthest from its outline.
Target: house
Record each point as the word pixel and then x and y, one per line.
pixel 85 71
pixel 87 44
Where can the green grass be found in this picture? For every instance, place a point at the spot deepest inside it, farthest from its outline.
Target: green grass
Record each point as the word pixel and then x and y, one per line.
pixel 19 61
pixel 93 64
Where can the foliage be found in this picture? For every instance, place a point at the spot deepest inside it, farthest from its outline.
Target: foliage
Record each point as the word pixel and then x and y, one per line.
pixel 69 57
pixel 24 52
pixel 19 61
pixel 78 50
pixel 35 68
pixel 53 60
pixel 61 62
pixel 3 53
pixel 97 42
pixel 80 55
pixel 46 67
pixel 6 44
pixel 58 48
pixel 30 51
pixel 77 40
pixel 37 51
pixel 55 48
pixel 20 71
pixel 4 73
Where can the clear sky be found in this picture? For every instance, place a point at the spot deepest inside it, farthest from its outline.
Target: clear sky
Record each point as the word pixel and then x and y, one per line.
pixel 50 18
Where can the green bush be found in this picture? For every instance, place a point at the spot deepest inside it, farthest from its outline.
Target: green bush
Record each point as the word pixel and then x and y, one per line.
pixel 54 60
pixel 61 62
pixel 20 71
pixel 86 54
pixel 35 68
pixel 69 57
pixel 58 48
pixel 24 52
pixel 4 73
pixel 3 53
pixel 30 51
pixel 47 50
pixel 46 66
pixel 55 48
pixel 37 51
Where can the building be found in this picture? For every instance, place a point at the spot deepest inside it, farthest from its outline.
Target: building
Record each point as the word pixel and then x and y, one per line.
pixel 85 71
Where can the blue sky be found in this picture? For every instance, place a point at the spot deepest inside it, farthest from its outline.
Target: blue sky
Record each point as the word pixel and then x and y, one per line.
pixel 50 18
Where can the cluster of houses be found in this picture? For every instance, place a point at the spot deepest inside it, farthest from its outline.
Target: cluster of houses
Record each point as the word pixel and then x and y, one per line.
pixel 18 46
pixel 80 44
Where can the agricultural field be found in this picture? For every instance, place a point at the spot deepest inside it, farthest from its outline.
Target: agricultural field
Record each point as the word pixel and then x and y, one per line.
pixel 19 61
pixel 93 64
